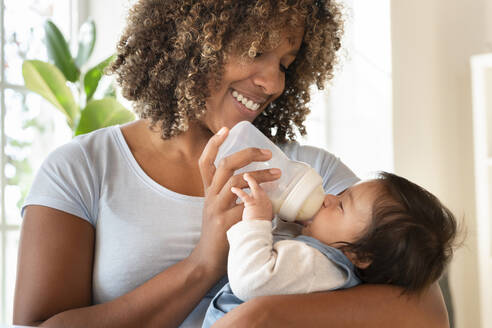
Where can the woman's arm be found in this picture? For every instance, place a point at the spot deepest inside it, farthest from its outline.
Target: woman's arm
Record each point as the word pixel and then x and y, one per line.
pixel 377 306
pixel 54 281
pixel 55 263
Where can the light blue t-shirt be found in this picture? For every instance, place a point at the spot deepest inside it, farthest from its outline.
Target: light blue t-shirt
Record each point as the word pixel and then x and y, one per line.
pixel 141 227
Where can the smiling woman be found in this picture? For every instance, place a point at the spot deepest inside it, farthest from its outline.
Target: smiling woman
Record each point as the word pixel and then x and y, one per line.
pixel 132 220
pixel 190 42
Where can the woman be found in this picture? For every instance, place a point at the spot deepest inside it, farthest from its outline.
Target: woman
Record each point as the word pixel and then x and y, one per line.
pixel 125 227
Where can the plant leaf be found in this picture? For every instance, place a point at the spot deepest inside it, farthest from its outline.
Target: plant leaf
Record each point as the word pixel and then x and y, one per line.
pixel 94 75
pixel 87 40
pixel 46 80
pixel 102 113
pixel 110 91
pixel 59 52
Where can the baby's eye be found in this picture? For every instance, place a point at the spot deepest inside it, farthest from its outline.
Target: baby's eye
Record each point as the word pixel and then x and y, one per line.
pixel 340 205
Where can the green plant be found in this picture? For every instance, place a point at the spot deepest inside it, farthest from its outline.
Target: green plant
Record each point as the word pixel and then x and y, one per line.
pixel 62 82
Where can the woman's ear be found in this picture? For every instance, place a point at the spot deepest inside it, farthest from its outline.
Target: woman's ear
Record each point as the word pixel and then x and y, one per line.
pixel 361 264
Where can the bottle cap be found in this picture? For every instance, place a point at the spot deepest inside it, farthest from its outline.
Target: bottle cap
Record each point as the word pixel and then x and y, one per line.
pixel 307 186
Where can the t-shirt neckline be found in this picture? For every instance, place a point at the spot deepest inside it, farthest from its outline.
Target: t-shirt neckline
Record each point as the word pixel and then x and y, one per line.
pixel 128 155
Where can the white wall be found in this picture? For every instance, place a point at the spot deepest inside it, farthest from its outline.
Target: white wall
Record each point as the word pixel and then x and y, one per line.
pixel 357 113
pixel 432 44
pixel 110 17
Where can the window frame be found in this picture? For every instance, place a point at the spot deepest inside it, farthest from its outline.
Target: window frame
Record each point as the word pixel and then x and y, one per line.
pixel 78 13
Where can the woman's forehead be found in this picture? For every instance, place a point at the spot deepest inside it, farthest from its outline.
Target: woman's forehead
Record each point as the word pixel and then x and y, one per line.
pixel 292 36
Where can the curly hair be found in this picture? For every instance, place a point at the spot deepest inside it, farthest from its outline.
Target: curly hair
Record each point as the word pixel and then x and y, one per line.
pixel 171 50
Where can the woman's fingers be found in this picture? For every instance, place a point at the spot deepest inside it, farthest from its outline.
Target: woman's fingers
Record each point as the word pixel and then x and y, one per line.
pixel 207 158
pixel 212 247
pixel 238 181
pixel 228 165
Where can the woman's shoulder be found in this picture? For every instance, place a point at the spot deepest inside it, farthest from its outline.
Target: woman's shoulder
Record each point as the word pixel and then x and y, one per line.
pixel 98 140
pixel 336 175
pixel 70 176
pixel 83 159
pixel 86 146
pixel 306 153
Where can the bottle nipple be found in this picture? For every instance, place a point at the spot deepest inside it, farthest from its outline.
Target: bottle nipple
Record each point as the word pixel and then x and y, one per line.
pixel 303 197
pixel 312 204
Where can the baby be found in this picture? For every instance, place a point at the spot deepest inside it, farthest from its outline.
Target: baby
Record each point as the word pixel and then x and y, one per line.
pixel 383 231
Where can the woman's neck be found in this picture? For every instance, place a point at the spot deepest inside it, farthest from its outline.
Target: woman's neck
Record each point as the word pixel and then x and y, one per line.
pixel 186 146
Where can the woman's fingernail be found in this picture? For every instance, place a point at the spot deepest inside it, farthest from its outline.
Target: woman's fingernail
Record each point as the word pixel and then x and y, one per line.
pixel 275 171
pixel 222 131
pixel 266 151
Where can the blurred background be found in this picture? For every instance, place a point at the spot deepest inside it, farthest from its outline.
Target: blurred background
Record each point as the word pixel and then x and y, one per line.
pixel 405 99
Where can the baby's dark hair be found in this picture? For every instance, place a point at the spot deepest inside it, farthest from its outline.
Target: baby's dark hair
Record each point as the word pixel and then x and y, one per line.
pixel 410 240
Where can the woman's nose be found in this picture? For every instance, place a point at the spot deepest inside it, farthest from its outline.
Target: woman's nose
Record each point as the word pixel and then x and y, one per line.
pixel 270 78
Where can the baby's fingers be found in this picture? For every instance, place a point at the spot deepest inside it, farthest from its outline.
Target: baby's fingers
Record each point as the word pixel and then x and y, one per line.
pixel 253 185
pixel 241 194
pixel 256 189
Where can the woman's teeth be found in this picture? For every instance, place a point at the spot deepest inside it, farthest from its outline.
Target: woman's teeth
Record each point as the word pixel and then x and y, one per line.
pixel 245 101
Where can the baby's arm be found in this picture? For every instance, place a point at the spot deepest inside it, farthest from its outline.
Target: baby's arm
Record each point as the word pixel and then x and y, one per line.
pixel 257 267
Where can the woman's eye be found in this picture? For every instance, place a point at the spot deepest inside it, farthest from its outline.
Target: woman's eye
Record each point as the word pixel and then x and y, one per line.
pixel 283 69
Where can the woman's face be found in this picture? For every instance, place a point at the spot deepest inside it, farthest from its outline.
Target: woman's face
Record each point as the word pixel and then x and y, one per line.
pixel 247 88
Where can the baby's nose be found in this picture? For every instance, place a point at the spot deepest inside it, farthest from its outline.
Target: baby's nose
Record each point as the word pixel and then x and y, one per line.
pixel 329 199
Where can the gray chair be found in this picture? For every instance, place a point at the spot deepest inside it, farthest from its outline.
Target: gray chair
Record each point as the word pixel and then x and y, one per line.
pixel 446 292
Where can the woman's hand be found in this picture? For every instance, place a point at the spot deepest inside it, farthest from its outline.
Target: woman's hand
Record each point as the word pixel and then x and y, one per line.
pixel 220 210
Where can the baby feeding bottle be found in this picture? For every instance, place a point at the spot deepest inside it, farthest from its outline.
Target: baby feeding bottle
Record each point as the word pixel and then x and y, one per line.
pixel 298 194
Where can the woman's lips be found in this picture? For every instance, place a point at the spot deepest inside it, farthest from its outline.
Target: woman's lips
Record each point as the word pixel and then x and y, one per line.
pixel 243 109
pixel 260 100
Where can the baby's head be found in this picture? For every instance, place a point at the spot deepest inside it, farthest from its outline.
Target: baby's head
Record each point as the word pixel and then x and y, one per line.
pixel 394 231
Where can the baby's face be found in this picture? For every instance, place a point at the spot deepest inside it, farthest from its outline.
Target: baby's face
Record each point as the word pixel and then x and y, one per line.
pixel 343 217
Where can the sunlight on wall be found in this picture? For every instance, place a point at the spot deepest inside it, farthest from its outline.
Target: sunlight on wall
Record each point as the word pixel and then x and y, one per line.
pixel 353 119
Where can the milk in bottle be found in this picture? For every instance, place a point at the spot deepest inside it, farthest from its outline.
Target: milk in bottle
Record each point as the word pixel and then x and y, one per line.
pixel 298 194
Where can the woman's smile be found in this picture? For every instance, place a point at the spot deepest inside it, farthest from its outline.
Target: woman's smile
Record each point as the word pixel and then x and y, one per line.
pixel 251 102
pixel 247 87
pixel 247 106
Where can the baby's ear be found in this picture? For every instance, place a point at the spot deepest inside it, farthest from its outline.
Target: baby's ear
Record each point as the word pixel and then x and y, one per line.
pixel 361 264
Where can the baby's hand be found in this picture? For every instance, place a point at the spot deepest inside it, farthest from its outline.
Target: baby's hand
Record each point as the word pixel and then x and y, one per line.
pixel 257 205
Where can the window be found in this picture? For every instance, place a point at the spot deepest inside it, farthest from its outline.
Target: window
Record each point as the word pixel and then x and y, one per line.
pixel 30 127
pixel 353 117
